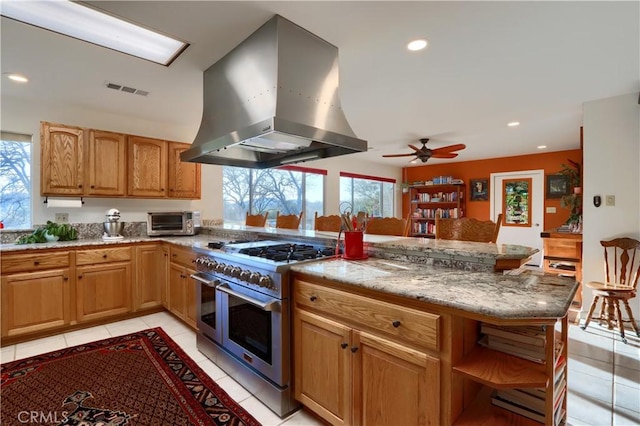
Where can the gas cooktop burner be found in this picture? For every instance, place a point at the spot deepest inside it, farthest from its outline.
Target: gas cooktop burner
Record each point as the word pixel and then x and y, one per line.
pixel 220 244
pixel 288 252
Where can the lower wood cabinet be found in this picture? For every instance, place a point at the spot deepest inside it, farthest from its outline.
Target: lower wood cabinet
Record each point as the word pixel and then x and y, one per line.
pixel 348 374
pixel 182 288
pixel 103 283
pixel 35 301
pixel 147 289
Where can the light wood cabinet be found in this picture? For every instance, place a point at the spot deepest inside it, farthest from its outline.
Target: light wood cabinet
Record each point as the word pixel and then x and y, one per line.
pixel 103 285
pixel 184 177
pixel 147 288
pixel 147 167
pixel 353 364
pixel 182 288
pixel 62 161
pixel 35 292
pixel 107 160
pixel 164 276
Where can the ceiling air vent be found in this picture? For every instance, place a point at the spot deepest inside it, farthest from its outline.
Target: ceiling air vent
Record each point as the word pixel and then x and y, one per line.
pixel 126 89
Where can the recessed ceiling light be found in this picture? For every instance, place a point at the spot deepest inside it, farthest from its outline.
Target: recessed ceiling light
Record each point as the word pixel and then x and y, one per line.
pixel 85 23
pixel 417 44
pixel 542 147
pixel 513 124
pixel 18 78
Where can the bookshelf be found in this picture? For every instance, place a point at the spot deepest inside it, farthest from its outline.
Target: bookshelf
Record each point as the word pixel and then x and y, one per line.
pixel 429 200
pixel 514 390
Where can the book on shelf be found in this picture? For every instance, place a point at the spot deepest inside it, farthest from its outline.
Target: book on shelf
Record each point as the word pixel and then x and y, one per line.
pixel 525 334
pixel 535 402
pixel 521 350
pixel 516 408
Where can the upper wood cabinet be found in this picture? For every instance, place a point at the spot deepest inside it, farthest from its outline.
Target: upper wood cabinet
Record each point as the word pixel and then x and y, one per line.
pixel 147 167
pixel 62 161
pixel 107 163
pixel 184 177
pixel 87 162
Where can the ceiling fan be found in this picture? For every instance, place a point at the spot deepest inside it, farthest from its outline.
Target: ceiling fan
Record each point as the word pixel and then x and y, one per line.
pixel 423 154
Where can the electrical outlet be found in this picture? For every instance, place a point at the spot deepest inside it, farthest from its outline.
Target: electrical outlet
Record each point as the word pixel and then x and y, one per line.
pixel 62 218
pixel 611 200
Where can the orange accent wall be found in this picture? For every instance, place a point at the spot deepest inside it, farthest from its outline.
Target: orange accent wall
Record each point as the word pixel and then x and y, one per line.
pixel 482 169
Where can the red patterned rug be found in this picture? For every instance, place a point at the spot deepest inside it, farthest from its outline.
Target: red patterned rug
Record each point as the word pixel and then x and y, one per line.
pixel 142 378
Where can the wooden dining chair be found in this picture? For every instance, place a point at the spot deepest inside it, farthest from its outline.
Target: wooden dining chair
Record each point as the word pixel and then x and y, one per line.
pixel 327 223
pixel 256 219
pixel 387 226
pixel 468 229
pixel 621 272
pixel 288 221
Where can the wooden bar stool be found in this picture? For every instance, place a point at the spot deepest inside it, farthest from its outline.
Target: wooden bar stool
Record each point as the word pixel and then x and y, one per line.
pixel 621 271
pixel 288 221
pixel 468 229
pixel 256 219
pixel 327 223
pixel 387 226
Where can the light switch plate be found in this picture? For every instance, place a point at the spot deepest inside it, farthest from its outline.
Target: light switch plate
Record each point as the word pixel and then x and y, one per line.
pixel 610 200
pixel 62 218
pixel 551 209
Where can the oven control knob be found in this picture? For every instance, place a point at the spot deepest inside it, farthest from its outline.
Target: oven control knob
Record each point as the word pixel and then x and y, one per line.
pixel 228 270
pixel 220 267
pixel 254 277
pixel 235 272
pixel 211 265
pixel 265 281
pixel 245 275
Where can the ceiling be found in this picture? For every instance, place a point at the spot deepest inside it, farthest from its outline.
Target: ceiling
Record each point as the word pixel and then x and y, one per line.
pixel 487 63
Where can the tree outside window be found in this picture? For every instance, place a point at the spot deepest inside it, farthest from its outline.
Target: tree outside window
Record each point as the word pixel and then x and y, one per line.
pixel 258 191
pixel 372 196
pixel 15 180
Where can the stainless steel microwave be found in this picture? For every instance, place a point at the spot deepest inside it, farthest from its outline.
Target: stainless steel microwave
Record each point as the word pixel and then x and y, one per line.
pixel 173 223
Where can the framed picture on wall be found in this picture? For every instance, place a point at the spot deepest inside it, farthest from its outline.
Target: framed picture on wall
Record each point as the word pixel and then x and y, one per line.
pixel 557 186
pixel 479 189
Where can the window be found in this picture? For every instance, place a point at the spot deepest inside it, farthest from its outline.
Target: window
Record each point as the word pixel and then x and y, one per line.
pixel 369 194
pixel 288 189
pixel 15 180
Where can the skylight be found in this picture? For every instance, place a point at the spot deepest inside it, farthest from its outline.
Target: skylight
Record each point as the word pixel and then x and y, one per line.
pixel 87 24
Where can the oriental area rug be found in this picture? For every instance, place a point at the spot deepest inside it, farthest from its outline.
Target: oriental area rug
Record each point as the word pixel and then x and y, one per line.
pixel 142 378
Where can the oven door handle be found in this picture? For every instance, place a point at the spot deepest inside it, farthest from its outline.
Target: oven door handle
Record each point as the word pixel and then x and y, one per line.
pixel 205 281
pixel 272 305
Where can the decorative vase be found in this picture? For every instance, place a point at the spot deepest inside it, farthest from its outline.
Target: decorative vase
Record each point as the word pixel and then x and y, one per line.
pixel 577 190
pixel 51 238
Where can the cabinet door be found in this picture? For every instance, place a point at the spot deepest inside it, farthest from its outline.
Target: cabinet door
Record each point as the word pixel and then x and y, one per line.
pixel 394 385
pixel 322 359
pixel 177 290
pixel 190 296
pixel 107 163
pixel 164 276
pixel 61 156
pixel 147 285
pixel 184 177
pixel 147 168
pixel 103 290
pixel 35 301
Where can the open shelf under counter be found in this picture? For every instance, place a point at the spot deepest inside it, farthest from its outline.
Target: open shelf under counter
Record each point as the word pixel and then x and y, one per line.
pixel 482 413
pixel 501 370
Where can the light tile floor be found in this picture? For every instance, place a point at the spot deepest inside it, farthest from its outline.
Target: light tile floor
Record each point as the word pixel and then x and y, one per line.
pixel 604 373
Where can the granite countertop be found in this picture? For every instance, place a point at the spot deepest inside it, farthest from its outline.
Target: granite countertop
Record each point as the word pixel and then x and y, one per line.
pixel 492 294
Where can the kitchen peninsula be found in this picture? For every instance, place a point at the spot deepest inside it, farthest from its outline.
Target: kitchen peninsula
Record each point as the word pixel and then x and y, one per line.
pixel 409 317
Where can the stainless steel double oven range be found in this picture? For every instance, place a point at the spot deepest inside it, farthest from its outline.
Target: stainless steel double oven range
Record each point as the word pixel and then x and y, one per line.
pixel 244 314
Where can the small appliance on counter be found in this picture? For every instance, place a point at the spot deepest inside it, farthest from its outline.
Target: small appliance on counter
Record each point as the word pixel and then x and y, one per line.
pixel 173 223
pixel 112 226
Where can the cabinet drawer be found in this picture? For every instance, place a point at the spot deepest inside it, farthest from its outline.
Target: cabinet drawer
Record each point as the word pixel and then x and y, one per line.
pixel 562 249
pixel 417 327
pixel 34 262
pixel 102 255
pixel 183 257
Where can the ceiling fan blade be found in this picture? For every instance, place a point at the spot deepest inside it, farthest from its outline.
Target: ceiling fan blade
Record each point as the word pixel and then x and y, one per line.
pixel 414 148
pixel 399 155
pixel 444 155
pixel 447 149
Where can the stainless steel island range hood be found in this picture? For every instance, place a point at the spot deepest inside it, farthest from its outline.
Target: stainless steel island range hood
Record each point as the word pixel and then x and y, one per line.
pixel 273 100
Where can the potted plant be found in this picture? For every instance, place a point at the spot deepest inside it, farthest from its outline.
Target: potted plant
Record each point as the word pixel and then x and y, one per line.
pixel 573 172
pixel 50 232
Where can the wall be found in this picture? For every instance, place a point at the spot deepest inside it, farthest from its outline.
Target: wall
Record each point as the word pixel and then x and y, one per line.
pixel 23 116
pixel 611 158
pixel 466 170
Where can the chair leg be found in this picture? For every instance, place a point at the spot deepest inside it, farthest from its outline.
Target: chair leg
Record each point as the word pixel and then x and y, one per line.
pixel 631 319
pixel 603 315
pixel 616 305
pixel 591 309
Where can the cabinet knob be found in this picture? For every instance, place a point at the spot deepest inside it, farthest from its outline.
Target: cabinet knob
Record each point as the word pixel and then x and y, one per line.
pixel 104 256
pixel 161 189
pixel 93 186
pixel 36 262
pixel 313 298
pixel 171 190
pixel 79 277
pixel 65 278
pixel 396 323
pixel 354 349
pixel 174 255
pixel 80 186
pixel 344 345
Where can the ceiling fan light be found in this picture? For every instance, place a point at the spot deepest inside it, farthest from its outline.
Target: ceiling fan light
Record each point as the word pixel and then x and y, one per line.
pixel 513 124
